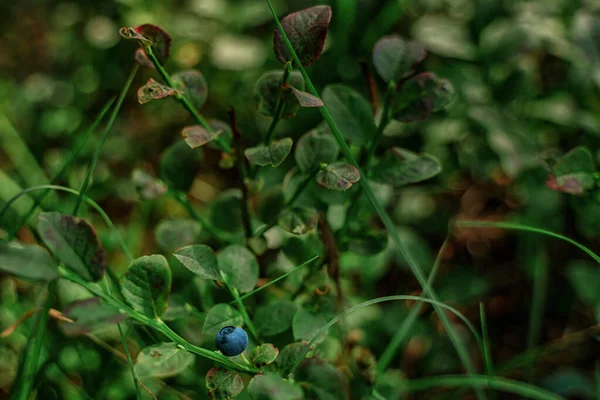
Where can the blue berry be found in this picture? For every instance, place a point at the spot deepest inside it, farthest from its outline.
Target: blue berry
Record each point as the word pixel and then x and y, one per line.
pixel 231 341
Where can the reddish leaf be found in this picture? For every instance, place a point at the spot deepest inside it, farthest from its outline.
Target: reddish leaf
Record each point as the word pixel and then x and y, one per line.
pixel 161 40
pixel 196 136
pixel 153 90
pixel 338 176
pixel 305 99
pixel 142 59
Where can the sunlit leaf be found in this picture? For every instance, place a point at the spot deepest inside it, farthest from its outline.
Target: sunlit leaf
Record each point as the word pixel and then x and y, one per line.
pixel 220 316
pixel 395 57
pixel 420 96
pixel 240 266
pixel 338 176
pixel 27 261
pixel 162 361
pixel 146 285
pixel 273 154
pixel 269 88
pixel 400 167
pixel 74 242
pixel 274 318
pixel 351 113
pixel 89 315
pixel 153 90
pixel 298 220
pixel 223 384
pixel 271 386
pixel 264 354
pixel 306 30
pixel 200 259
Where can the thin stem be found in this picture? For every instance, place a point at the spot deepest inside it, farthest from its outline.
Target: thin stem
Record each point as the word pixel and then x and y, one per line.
pixel 239 159
pixel 242 308
pixel 280 107
pixel 184 101
pixel 487 353
pixel 303 185
pixel 111 121
pixel 65 167
pixel 540 288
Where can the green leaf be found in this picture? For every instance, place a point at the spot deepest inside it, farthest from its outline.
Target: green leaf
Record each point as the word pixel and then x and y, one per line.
pixel 307 30
pixel 220 316
pixel 264 354
pixel 226 211
pixel 304 99
pixel 193 85
pixel 367 243
pixel 174 233
pixel 153 35
pixel 273 154
pixel 148 187
pixel 89 315
pixel 338 176
pixel 314 148
pixel 162 361
pixel 270 204
pixel 240 266
pixel 420 96
pixel 226 134
pixel 298 220
pixel 269 88
pixel 573 172
pixel 287 356
pixel 395 57
pixel 223 384
pixel 200 259
pixel 350 112
pixel 585 279
pixel 74 242
pixel 274 318
pixel 178 166
pixel 307 324
pixel 323 381
pixel 196 136
pixel 401 167
pixel 27 261
pixel 153 90
pixel 273 387
pixel 146 285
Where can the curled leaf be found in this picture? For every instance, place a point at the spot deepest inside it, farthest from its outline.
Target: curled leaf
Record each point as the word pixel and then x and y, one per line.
pixel 196 136
pixel 304 99
pixel 153 90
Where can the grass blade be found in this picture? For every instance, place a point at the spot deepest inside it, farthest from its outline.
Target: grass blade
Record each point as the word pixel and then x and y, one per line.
pixel 487 354
pixel 364 183
pixel 111 121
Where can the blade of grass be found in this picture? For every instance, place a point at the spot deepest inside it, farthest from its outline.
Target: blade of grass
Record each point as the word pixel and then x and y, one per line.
pixel 266 285
pixel 364 183
pixel 443 306
pixel 487 354
pixel 64 168
pixel 524 390
pixel 392 348
pixel 8 189
pixel 111 121
pixel 29 364
pixel 540 287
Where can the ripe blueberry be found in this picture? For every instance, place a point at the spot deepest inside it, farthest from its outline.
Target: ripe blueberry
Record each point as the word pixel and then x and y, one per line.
pixel 231 341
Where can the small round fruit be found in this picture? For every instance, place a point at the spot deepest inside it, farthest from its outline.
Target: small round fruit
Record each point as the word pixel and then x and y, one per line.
pixel 231 341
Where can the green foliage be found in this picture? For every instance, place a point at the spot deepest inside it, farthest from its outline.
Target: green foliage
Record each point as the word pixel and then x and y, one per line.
pixel 271 386
pixel 338 176
pixel 90 315
pixel 275 318
pixel 240 266
pixel 273 154
pixel 223 384
pixel 27 262
pixel 399 167
pixel 268 91
pixel 178 166
pixel 220 316
pixel 162 361
pixel 264 354
pixel 147 284
pixel 200 259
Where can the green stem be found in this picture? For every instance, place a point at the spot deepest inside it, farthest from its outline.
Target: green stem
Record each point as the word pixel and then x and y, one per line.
pixel 111 121
pixel 242 308
pixel 154 323
pixel 487 353
pixel 280 107
pixel 303 185
pixel 239 160
pixel 183 100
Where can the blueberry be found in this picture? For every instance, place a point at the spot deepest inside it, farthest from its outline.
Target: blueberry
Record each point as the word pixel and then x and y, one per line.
pixel 231 341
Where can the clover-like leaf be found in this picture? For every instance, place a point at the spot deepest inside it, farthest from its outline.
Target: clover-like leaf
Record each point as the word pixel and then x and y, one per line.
pixel 196 136
pixel 304 99
pixel 240 266
pixel 220 316
pixel 574 172
pixel 298 220
pixel 147 284
pixel 153 90
pixel 275 318
pixel 315 148
pixel 74 242
pixel 27 262
pixel 148 186
pixel 306 29
pixel 273 154
pixel 338 176
pixel 401 167
pixel 200 259
pixel 151 35
pixel 89 315
pixel 271 386
pixel 350 112
pixel 264 354
pixel 193 85
pixel 178 166
pixel 395 57
pixel 162 361
pixel 269 89
pixel 420 96
pixel 223 384
pixel 172 234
